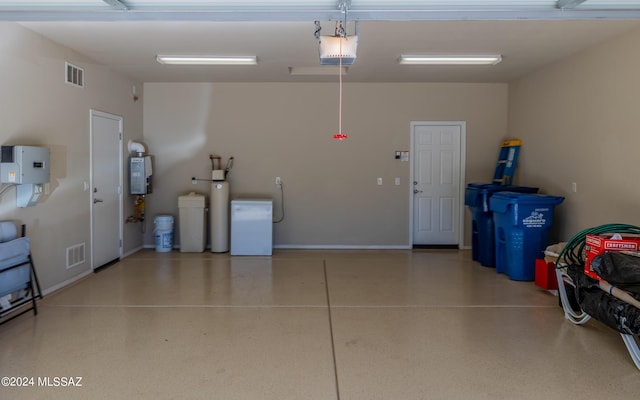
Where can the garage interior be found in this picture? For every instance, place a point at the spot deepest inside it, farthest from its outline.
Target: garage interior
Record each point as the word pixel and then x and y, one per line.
pixel 352 303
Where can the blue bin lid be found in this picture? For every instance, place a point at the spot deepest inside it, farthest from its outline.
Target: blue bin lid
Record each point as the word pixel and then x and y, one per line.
pixel 500 202
pixel 478 194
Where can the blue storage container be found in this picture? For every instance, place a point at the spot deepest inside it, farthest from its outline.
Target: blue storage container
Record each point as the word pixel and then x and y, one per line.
pixel 522 223
pixel 476 197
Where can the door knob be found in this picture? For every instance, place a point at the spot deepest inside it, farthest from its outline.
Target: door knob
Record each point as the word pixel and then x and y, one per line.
pixel 415 191
pixel 97 201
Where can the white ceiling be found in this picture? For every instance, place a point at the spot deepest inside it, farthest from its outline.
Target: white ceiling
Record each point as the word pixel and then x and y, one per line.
pixel 284 37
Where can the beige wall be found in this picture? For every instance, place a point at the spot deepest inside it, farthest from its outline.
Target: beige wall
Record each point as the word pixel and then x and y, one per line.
pixel 577 119
pixel 285 129
pixel 38 108
pixel 579 123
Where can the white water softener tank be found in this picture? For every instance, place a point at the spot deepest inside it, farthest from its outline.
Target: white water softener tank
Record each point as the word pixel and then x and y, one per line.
pixel 219 215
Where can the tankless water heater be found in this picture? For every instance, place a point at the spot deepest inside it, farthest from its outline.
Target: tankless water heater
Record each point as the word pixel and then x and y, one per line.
pixel 140 174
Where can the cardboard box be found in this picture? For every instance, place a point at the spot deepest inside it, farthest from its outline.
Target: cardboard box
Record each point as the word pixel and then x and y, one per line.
pixel 598 244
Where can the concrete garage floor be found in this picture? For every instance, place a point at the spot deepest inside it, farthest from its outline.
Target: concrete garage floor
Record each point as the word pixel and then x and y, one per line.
pixel 357 325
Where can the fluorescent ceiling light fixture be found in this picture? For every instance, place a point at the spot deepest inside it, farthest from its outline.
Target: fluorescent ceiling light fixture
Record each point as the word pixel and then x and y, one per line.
pixel 207 60
pixel 322 70
pixel 451 59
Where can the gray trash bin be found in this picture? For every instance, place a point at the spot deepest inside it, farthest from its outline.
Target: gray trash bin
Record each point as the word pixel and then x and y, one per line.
pixel 193 227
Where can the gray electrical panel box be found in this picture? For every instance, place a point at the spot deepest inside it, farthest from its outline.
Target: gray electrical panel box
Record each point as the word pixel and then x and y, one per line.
pixel 24 164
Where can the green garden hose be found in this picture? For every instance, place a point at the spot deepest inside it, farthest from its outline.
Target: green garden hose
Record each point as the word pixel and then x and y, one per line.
pixel 573 252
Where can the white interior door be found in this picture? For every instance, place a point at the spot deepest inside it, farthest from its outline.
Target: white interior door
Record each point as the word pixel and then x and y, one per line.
pixel 106 188
pixel 437 176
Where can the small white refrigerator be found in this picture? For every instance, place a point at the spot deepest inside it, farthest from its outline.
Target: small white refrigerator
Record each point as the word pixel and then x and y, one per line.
pixel 251 227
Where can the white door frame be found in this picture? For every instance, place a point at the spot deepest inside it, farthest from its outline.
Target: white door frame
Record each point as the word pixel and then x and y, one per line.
pixel 463 141
pixel 97 113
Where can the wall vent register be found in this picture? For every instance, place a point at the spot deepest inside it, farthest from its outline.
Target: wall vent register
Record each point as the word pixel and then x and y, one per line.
pixel 74 75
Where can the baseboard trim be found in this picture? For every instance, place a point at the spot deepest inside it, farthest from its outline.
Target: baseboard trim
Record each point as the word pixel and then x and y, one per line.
pixel 435 247
pixel 341 247
pixel 133 251
pixel 68 282
pixel 318 247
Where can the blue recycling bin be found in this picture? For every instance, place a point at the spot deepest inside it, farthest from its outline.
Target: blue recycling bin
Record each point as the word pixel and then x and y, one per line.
pixel 476 197
pixel 522 223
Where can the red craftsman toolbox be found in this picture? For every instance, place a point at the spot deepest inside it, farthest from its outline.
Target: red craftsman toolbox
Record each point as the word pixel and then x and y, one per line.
pixel 598 244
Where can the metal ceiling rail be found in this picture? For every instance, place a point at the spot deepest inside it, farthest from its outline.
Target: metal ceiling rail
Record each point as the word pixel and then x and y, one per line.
pixel 313 10
pixel 313 15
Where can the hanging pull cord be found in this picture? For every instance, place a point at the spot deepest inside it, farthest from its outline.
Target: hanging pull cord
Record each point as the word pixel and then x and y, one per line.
pixel 340 101
pixel 341 34
pixel 318 29
pixel 340 135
